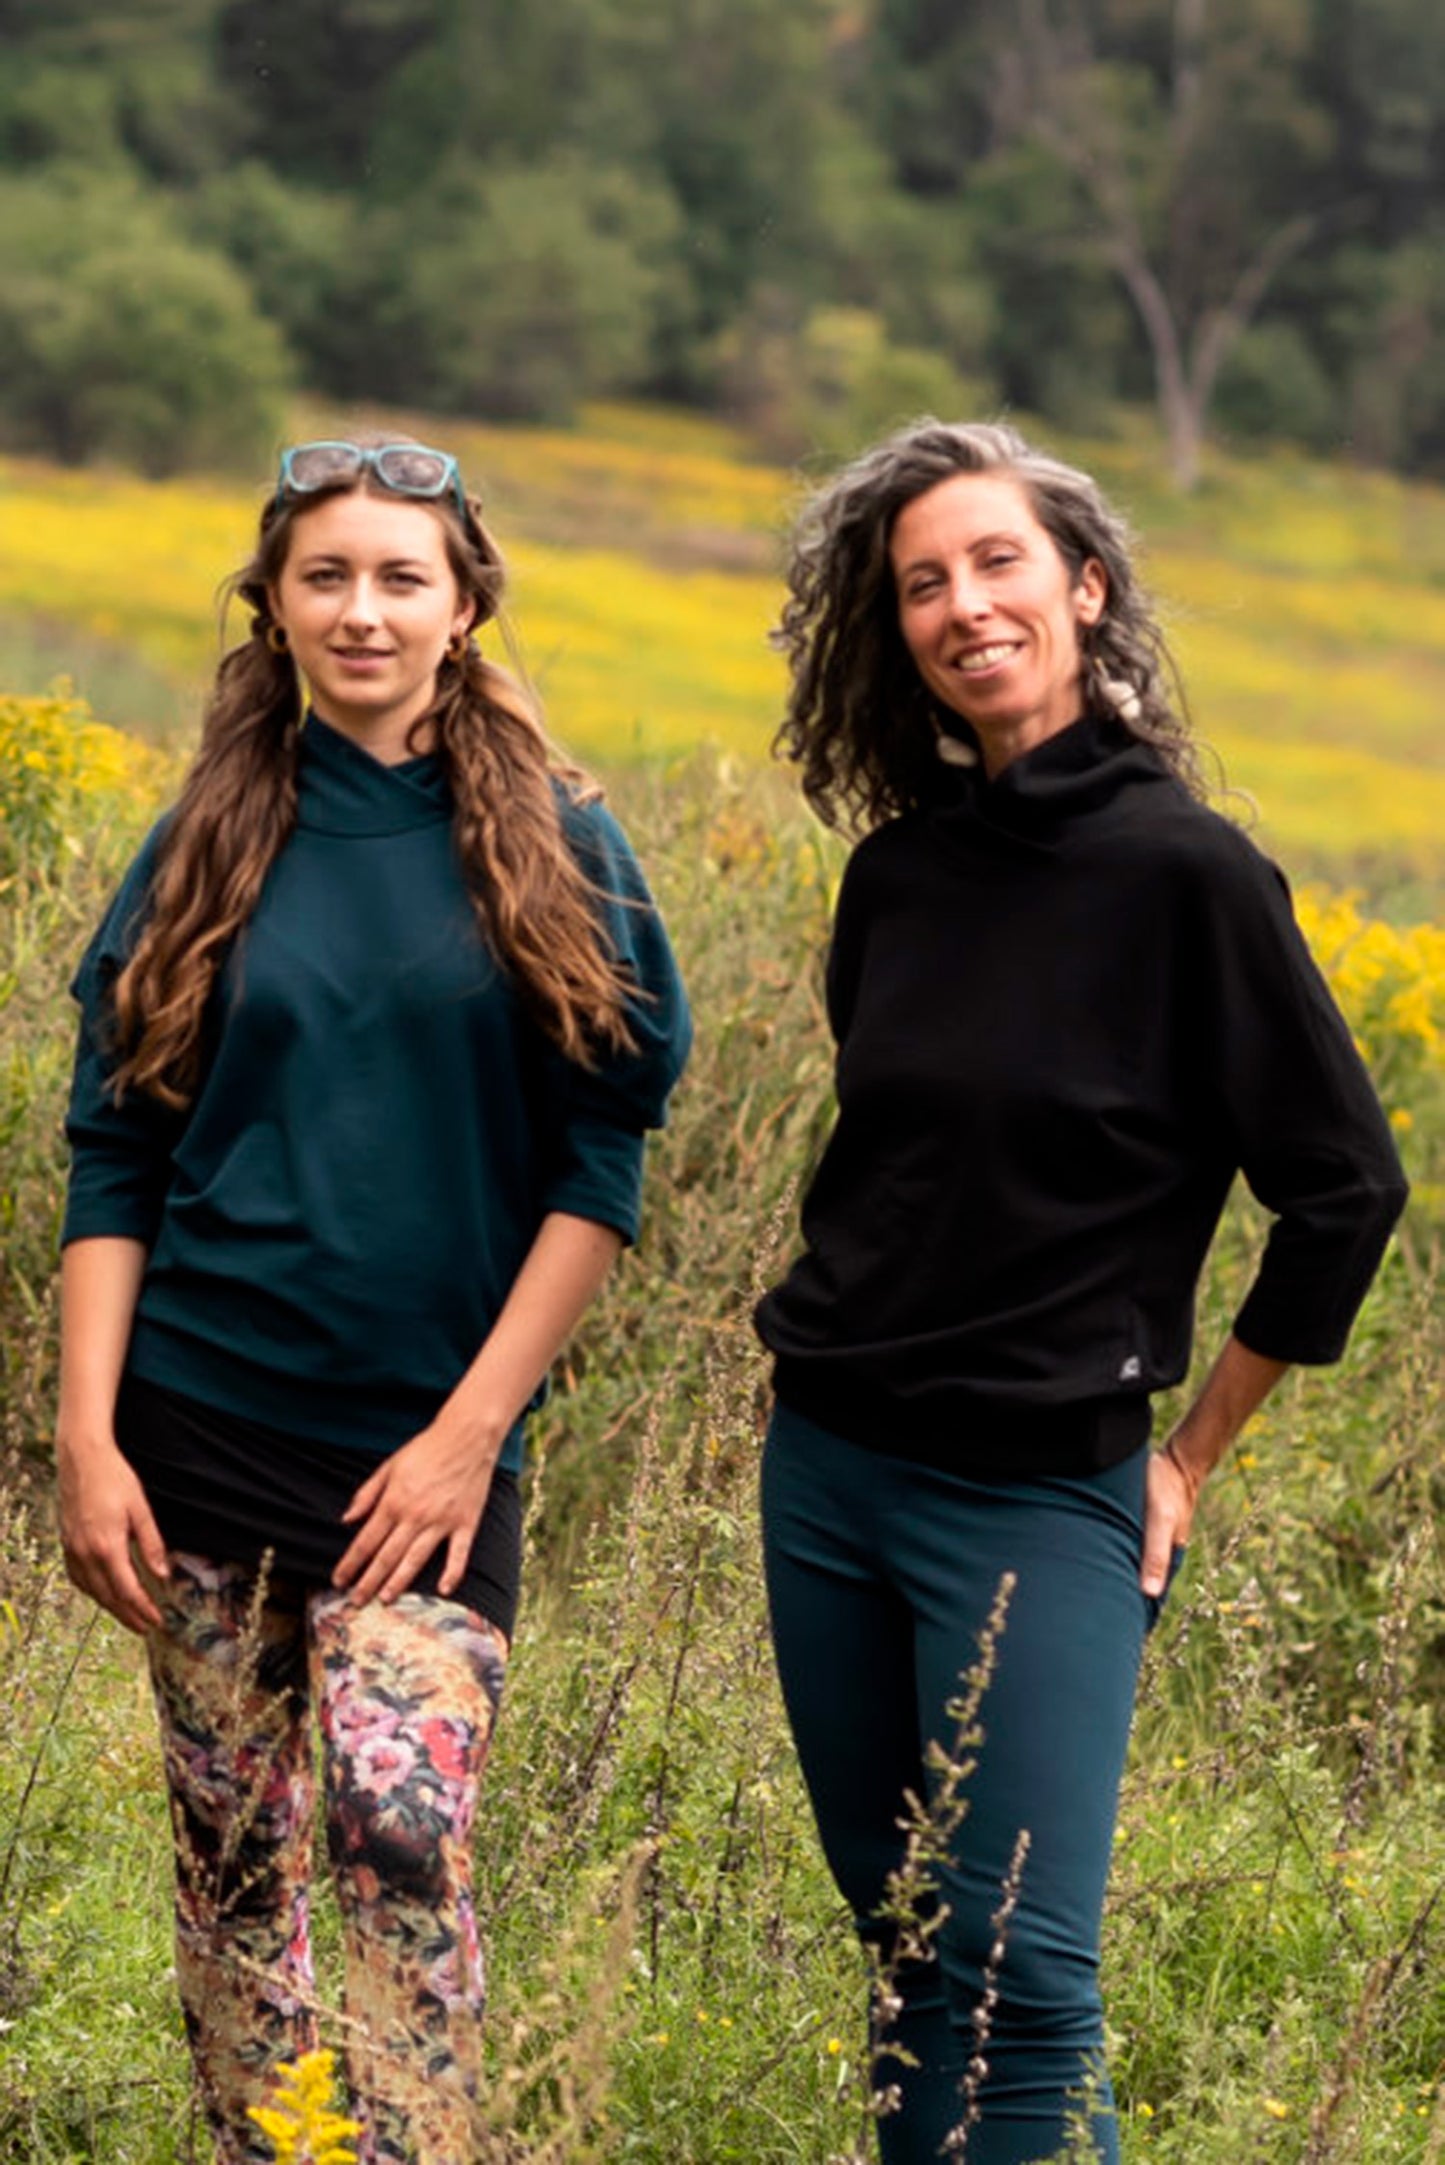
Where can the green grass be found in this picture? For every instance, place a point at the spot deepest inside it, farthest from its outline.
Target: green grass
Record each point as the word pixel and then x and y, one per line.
pixel 673 1980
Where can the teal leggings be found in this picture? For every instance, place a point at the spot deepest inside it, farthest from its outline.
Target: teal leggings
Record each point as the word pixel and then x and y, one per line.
pixel 881 1574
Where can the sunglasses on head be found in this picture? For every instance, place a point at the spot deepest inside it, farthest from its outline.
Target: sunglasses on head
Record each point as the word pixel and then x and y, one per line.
pixel 403 469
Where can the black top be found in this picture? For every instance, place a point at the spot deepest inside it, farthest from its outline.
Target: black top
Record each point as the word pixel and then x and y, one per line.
pixel 1070 1004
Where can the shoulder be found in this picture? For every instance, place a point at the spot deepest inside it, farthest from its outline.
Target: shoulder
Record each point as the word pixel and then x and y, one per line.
pixel 1196 851
pixel 133 893
pixel 114 938
pixel 592 831
pixel 886 874
pixel 619 888
pixel 147 857
pixel 890 850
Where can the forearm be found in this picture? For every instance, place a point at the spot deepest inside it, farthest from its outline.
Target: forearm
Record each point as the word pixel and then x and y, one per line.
pixel 105 1518
pixel 564 1271
pixel 100 1281
pixel 1236 1386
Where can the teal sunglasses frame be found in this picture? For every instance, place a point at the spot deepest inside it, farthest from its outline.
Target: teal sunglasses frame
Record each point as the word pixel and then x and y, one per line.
pixel 378 459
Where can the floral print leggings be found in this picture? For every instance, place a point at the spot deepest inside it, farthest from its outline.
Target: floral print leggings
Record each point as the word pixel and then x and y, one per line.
pixel 405 1695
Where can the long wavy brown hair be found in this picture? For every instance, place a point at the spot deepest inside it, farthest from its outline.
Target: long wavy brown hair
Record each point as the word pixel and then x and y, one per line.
pixel 535 906
pixel 860 722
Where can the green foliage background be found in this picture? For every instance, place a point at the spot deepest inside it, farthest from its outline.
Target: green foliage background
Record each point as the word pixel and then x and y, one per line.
pixel 817 217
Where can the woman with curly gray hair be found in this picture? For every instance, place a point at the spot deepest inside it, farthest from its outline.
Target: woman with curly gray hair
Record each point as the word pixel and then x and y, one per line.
pixel 1070 1003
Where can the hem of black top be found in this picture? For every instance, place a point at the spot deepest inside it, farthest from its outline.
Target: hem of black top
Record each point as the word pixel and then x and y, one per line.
pixel 959 1433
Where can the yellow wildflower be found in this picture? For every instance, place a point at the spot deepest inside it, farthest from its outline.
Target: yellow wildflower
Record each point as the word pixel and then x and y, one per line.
pixel 301 2122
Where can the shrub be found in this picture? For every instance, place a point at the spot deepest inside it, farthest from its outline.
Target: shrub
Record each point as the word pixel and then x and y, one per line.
pixel 1390 983
pixel 1271 385
pixel 120 338
pixel 537 286
pixel 62 774
pixel 833 382
pixel 73 796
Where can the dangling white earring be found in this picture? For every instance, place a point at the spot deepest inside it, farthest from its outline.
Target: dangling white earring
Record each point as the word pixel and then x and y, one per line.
pixel 1116 695
pixel 952 750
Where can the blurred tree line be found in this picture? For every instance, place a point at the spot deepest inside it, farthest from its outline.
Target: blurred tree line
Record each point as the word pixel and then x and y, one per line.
pixel 816 216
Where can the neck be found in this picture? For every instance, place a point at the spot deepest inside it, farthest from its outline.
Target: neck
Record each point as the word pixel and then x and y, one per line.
pixel 1001 743
pixel 389 738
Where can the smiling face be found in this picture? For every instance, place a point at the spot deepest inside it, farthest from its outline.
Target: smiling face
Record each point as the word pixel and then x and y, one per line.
pixel 990 612
pixel 368 600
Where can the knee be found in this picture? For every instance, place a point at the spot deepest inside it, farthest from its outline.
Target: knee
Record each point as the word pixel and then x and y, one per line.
pixel 390 1834
pixel 1027 1982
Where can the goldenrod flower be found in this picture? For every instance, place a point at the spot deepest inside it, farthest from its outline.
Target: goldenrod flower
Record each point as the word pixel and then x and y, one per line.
pixel 301 2122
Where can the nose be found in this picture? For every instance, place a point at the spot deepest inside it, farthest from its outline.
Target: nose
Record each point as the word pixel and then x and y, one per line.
pixel 969 597
pixel 360 609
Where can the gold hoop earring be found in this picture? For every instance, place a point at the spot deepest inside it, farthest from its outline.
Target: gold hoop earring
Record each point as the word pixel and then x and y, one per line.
pixel 457 647
pixel 276 639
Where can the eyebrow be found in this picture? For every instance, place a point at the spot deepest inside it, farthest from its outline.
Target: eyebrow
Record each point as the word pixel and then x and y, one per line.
pixel 984 541
pixel 322 559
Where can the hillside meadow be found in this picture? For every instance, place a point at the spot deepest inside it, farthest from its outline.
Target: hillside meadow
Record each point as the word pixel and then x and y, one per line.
pixel 673 1981
pixel 1306 603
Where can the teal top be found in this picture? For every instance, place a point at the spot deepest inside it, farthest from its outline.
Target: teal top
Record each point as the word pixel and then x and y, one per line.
pixel 380 1128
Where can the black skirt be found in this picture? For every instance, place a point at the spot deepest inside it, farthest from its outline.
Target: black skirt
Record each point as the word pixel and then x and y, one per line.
pixel 230 1489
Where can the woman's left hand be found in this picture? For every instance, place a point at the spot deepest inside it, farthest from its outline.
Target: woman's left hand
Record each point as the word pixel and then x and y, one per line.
pixel 1168 1516
pixel 1239 1381
pixel 433 1489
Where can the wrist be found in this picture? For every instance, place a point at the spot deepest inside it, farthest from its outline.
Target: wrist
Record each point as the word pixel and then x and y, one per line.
pixel 475 1433
pixel 1193 1471
pixel 85 1436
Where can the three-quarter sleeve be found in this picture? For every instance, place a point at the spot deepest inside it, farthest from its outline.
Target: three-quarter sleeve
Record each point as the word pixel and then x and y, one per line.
pixel 1306 1127
pixel 601 1115
pixel 120 1149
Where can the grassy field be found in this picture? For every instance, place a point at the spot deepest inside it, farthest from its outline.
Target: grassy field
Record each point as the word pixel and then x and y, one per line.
pixel 1307 603
pixel 673 1981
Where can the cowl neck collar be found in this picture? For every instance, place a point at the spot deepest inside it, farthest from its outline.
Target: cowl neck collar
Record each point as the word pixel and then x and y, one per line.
pixel 1041 796
pixel 345 790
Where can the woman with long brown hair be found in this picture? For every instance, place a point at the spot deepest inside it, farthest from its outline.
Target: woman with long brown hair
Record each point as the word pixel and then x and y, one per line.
pixel 1070 1003
pixel 371 1037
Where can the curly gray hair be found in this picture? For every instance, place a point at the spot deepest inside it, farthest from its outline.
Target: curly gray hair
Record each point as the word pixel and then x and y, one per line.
pixel 860 723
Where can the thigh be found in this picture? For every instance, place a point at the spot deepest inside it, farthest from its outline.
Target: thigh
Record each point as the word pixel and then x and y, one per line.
pixel 1054 1717
pixel 843 1640
pixel 228 1666
pixel 407 1694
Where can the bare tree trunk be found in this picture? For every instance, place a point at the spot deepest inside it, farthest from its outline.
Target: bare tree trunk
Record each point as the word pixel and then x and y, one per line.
pixel 1217 333
pixel 1174 388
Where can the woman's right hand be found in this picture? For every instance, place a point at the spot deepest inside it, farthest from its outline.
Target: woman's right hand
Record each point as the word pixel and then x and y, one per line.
pixel 104 1522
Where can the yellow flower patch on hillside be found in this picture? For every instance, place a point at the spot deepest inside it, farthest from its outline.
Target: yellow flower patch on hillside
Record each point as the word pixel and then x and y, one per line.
pixel 1390 983
pixel 62 773
pixel 1306 602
